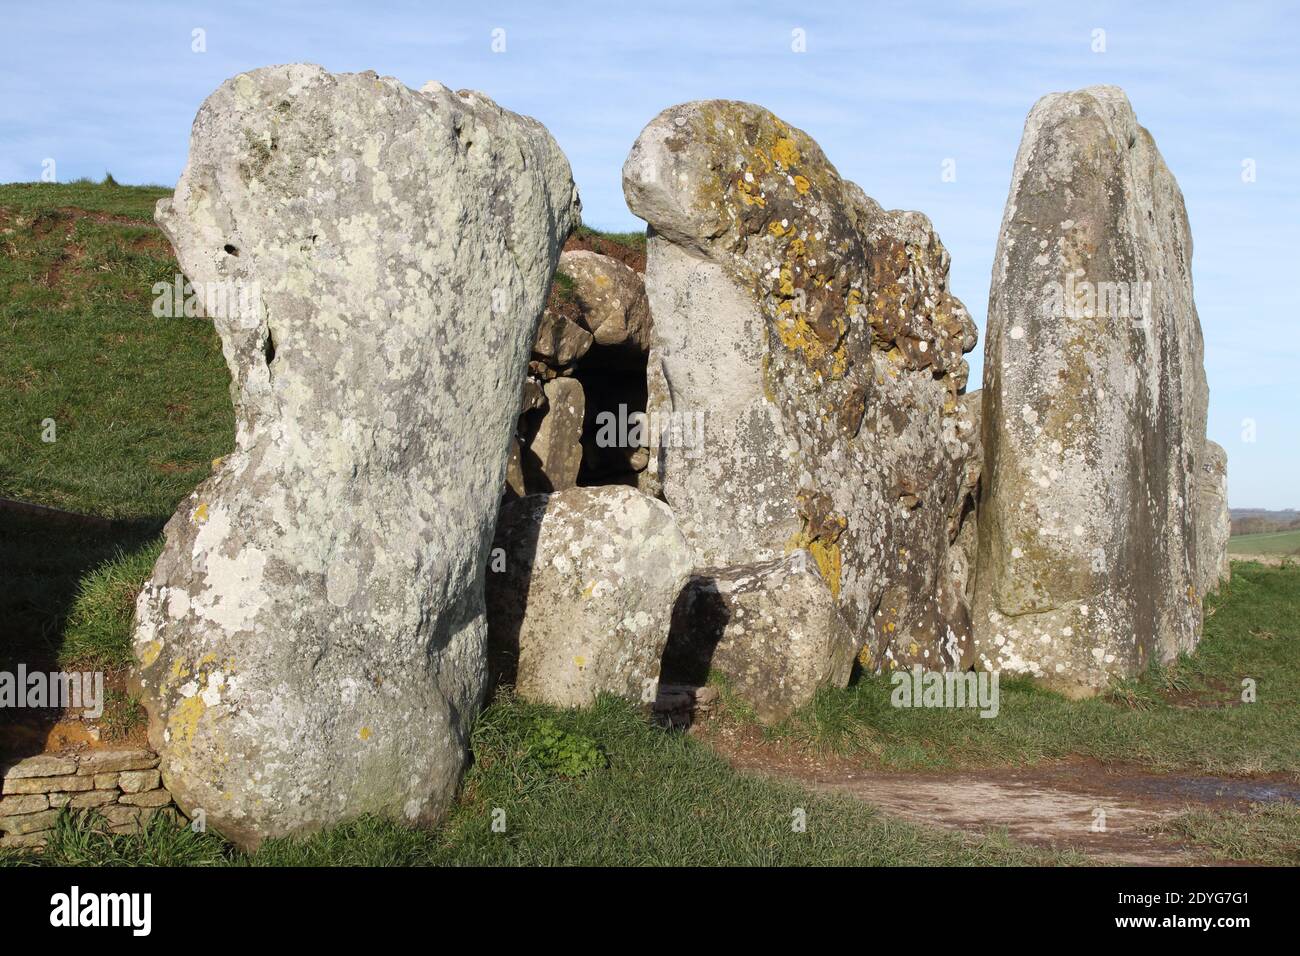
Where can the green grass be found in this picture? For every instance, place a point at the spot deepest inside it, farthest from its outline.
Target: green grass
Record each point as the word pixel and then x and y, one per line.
pixel 659 799
pixel 140 405
pixel 98 630
pixel 1268 542
pixel 1188 716
pixel 633 240
pixel 1266 834
pixel 134 202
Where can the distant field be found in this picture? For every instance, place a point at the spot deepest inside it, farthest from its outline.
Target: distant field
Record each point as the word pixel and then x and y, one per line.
pixel 1272 542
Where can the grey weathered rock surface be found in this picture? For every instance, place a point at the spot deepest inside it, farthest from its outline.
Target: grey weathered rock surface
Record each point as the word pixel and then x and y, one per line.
pixel 1214 521
pixel 768 627
pixel 817 333
pixel 1094 406
pixel 312 641
pixel 585 599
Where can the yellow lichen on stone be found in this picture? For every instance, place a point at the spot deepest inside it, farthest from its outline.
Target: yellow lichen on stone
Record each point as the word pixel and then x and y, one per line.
pixel 149 653
pixel 364 733
pixel 798 336
pixel 801 185
pixel 201 513
pixel 184 720
pixel 826 554
pixel 785 283
pixel 785 152
pixel 829 562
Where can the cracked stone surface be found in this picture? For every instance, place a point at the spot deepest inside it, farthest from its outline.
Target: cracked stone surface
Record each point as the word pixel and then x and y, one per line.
pixel 312 643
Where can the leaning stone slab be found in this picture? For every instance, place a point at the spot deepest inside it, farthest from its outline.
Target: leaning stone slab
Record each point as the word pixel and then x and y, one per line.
pixel 554 457
pixel 584 602
pixel 311 645
pixel 817 335
pixel 768 628
pixel 1094 406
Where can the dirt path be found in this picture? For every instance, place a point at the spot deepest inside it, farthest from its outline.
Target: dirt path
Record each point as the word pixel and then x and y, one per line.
pixel 1104 811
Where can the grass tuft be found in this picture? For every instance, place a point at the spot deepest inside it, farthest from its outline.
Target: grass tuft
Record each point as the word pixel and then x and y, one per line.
pixel 98 632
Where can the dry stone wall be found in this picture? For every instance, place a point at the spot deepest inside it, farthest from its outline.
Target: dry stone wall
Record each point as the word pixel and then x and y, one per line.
pixel 123 786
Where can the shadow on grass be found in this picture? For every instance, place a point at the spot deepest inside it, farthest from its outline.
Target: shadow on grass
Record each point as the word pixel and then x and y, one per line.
pixel 44 554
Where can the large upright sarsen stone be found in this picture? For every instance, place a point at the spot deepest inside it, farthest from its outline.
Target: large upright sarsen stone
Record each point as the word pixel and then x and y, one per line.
pixel 311 645
pixel 816 335
pixel 1094 406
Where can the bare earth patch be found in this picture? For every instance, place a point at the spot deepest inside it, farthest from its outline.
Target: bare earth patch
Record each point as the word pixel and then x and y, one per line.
pixel 1058 805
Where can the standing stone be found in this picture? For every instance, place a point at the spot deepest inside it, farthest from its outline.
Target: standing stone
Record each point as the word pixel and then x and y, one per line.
pixel 1094 408
pixel 312 643
pixel 769 628
pixel 584 600
pixel 1214 521
pixel 817 334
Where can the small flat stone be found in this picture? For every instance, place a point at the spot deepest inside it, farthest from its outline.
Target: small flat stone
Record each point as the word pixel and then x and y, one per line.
pixel 60 799
pixel 138 781
pixel 25 803
pixel 151 798
pixel 24 841
pixel 92 798
pixel 29 822
pixel 108 761
pixel 105 781
pixel 118 815
pixel 47 784
pixel 42 765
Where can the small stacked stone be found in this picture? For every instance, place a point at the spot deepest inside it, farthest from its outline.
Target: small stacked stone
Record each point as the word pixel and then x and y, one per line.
pixel 123 786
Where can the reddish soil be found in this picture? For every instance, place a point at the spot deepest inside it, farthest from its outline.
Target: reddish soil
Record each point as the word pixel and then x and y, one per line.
pixel 635 258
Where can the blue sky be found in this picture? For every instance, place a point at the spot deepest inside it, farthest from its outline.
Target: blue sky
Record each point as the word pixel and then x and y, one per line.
pixel 890 90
